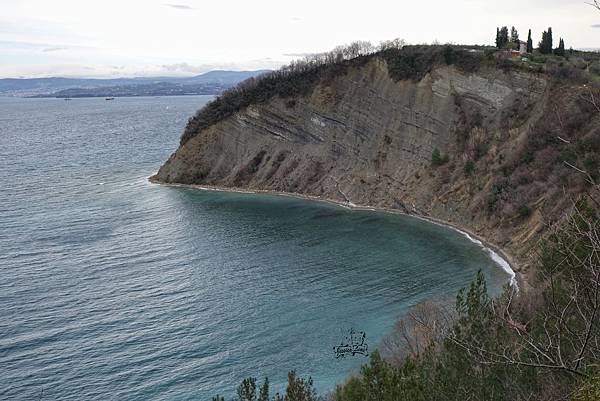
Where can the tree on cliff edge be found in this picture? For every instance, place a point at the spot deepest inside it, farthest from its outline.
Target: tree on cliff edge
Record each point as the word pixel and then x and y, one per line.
pixel 560 50
pixel 545 45
pixel 514 35
pixel 501 37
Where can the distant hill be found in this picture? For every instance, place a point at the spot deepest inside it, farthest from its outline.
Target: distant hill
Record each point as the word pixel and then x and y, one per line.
pixel 222 77
pixel 212 82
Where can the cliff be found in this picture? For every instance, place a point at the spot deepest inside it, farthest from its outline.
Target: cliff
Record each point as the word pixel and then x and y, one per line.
pixel 503 137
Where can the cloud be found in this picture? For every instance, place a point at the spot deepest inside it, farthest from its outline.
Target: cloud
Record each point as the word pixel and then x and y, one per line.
pixel 53 49
pixel 183 68
pixel 180 6
pixel 596 26
pixel 297 54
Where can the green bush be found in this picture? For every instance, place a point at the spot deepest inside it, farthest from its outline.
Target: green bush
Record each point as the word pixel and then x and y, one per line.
pixel 469 167
pixel 449 55
pixel 298 389
pixel 497 194
pixel 524 211
pixel 437 159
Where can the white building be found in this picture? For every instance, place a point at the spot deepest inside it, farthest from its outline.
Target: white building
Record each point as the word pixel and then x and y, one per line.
pixel 522 47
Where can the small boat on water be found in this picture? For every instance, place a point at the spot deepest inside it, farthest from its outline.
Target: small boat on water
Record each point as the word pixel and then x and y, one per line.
pixel 109 98
pixel 67 98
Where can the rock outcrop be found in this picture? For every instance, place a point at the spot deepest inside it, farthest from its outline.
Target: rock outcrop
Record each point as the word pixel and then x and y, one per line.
pixel 367 139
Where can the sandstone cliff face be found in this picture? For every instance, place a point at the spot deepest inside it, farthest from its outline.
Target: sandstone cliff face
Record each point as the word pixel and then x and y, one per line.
pixel 366 139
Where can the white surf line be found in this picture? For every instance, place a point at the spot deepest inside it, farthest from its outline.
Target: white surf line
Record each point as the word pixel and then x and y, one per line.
pixel 499 260
pixel 496 258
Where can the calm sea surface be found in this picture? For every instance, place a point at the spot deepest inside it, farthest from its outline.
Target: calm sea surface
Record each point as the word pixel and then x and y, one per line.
pixel 114 288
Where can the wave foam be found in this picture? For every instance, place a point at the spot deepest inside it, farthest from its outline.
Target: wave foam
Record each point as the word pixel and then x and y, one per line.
pixel 499 260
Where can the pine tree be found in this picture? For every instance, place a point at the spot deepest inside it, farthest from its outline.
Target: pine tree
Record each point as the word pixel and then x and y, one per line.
pixel 514 35
pixel 246 391
pixel 529 43
pixel 264 391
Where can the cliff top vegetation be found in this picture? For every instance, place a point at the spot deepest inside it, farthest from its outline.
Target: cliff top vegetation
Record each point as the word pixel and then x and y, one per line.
pixel 405 62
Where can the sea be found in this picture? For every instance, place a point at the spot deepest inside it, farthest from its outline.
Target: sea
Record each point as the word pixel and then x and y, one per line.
pixel 113 288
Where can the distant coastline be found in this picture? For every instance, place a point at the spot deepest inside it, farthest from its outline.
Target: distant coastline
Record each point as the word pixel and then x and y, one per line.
pixel 497 254
pixel 158 89
pixel 209 83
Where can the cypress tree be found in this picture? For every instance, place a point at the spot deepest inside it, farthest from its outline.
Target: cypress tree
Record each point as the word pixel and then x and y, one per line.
pixel 503 36
pixel 560 50
pixel 543 45
pixel 529 43
pixel 498 44
pixel 549 48
pixel 514 35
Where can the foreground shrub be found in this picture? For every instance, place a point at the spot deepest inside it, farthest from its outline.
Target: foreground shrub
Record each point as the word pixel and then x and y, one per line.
pixel 544 345
pixel 524 211
pixel 298 389
pixel 589 391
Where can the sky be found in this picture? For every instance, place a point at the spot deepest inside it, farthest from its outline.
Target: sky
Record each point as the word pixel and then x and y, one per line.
pixel 122 38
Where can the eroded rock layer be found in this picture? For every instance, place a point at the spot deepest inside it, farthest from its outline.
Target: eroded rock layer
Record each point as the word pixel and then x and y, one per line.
pixel 366 139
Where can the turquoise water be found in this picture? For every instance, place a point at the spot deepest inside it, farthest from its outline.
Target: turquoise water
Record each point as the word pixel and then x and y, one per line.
pixel 114 288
